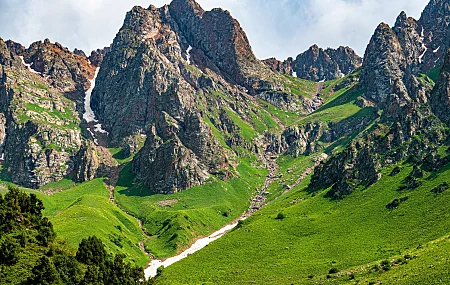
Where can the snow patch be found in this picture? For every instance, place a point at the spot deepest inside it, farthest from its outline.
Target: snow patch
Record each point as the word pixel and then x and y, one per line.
pixel 436 50
pixel 198 245
pixel 188 54
pixel 423 54
pixel 422 34
pixel 29 66
pixel 321 81
pixel 89 115
pixel 294 74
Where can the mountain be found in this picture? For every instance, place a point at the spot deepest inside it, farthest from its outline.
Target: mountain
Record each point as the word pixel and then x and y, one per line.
pixel 317 64
pixel 336 166
pixel 169 71
pixel 42 88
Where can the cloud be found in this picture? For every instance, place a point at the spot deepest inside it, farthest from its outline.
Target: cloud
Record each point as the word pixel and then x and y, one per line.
pixel 279 28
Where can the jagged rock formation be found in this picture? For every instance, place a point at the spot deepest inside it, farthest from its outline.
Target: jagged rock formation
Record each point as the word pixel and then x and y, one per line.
pixel 283 67
pixel 434 29
pixel 407 128
pixel 63 69
pixel 169 70
pixel 317 64
pixel 39 127
pixel 440 97
pixel 91 162
pixel 176 157
pixel 392 61
pixel 96 57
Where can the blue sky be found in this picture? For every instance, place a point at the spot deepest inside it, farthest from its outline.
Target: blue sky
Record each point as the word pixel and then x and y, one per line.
pixel 279 28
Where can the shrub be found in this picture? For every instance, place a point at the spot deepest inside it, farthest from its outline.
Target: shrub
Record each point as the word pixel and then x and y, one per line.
pixel 280 216
pixel 333 270
pixel 385 265
pixel 396 203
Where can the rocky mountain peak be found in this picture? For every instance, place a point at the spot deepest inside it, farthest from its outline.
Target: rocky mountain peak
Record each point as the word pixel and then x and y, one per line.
pixel 318 64
pixel 384 64
pixel 15 47
pixel 221 38
pixel 190 6
pixel 65 70
pixel 401 19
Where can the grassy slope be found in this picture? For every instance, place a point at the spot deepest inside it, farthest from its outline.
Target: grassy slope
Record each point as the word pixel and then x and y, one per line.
pixel 318 234
pixel 191 213
pixel 85 210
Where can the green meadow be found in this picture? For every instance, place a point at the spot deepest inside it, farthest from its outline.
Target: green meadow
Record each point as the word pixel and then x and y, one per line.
pixel 318 236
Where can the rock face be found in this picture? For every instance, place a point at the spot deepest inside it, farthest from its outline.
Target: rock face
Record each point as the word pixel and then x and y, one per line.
pixel 91 162
pixel 393 59
pixel 169 72
pixel 434 29
pixel 317 64
pixel 220 37
pixel 176 157
pixel 440 97
pixel 40 135
pixel 96 57
pixel 284 67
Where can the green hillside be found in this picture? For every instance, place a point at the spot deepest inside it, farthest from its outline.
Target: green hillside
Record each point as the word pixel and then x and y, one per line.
pixel 318 234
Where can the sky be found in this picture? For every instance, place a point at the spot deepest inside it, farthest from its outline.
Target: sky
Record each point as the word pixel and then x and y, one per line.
pixel 275 28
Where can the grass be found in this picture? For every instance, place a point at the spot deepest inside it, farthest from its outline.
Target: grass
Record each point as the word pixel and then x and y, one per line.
pixel 318 234
pixel 301 87
pixel 176 220
pixel 85 210
pixel 118 154
pixel 246 130
pixel 434 73
pixel 286 117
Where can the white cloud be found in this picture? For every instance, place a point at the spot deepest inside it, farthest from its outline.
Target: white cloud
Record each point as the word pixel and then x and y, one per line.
pixel 279 28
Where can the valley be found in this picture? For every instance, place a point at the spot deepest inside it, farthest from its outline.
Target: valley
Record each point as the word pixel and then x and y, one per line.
pixel 194 162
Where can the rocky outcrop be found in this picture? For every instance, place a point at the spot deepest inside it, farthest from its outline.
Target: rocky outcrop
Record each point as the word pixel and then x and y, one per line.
pixel 96 57
pixel 317 64
pixel 15 48
pixel 220 37
pixel 392 61
pixel 40 135
pixel 63 69
pixel 177 157
pixel 433 26
pixel 284 67
pixel 91 162
pixel 79 52
pixel 440 97
pixel 384 66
